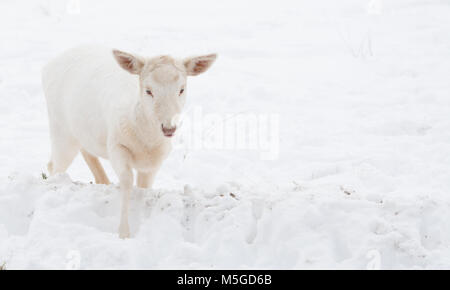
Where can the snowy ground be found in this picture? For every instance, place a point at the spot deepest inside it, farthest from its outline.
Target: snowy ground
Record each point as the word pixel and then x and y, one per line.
pixel 362 175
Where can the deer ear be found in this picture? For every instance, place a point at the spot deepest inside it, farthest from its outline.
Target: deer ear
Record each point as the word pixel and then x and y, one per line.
pixel 131 63
pixel 199 64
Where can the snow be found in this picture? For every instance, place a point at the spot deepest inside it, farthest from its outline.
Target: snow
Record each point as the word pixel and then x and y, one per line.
pixel 360 177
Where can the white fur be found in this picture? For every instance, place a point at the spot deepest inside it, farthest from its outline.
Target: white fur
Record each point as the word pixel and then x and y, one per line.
pixel 98 104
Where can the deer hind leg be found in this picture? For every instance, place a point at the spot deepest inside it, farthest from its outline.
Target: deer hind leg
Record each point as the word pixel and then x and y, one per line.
pixel 64 151
pixel 96 167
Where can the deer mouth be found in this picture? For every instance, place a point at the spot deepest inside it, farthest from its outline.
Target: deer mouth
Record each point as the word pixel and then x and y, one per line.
pixel 168 132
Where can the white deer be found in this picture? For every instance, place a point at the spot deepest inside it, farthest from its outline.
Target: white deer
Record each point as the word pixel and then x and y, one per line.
pixel 118 106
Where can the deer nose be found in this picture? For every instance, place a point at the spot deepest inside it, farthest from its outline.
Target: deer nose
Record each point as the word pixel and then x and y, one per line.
pixel 168 132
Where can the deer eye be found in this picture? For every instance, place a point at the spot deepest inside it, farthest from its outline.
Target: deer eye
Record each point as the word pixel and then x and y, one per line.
pixel 181 91
pixel 149 93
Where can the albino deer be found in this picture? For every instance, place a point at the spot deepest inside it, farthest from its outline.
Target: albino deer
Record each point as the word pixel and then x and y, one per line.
pixel 117 106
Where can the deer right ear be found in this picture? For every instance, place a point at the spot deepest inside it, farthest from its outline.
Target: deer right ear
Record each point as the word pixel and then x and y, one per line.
pixel 131 63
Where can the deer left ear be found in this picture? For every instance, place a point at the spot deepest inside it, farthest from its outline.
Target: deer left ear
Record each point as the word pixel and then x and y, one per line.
pixel 199 64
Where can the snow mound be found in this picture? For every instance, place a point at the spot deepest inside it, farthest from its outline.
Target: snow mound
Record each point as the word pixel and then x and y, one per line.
pixel 45 221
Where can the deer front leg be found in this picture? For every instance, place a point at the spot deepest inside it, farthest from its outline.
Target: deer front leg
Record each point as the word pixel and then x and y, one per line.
pixel 120 159
pixel 145 179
